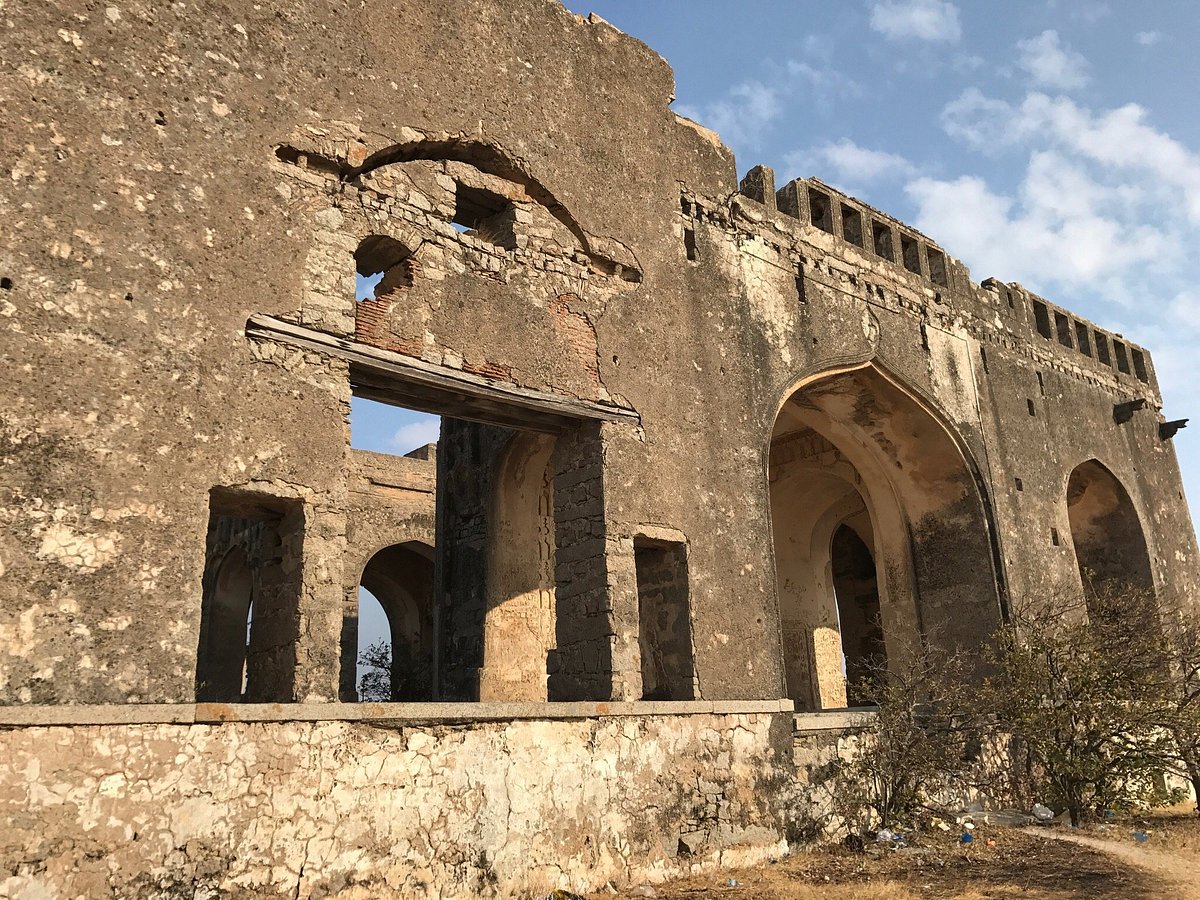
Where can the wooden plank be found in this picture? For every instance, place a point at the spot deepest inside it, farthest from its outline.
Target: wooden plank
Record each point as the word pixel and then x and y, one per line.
pixel 405 381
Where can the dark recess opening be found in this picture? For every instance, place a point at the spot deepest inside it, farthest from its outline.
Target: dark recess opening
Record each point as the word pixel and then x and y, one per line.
pixel 1062 325
pixel 820 211
pixel 1082 339
pixel 882 238
pixel 6 283
pixel 689 243
pixel 1102 348
pixel 911 252
pixel 664 620
pixel 249 613
pixel 1032 408
pixel 937 266
pixel 852 225
pixel 1041 316
pixel 485 215
pixel 1122 359
pixel 385 256
pixel 1139 365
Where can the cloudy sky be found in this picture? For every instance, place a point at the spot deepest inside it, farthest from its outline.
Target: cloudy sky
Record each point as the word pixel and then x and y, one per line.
pixel 1051 142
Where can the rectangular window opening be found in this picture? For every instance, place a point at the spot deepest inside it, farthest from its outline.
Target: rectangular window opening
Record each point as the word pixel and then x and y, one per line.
pixel 1011 304
pixel 1139 365
pixel 983 359
pixel 1102 348
pixel 1062 326
pixel 1032 408
pixel 250 598
pixel 1041 317
pixel 664 620
pixel 911 252
pixel 852 225
pixel 820 210
pixel 1041 384
pixel 1122 358
pixel 1020 484
pixel 1082 339
pixel 1054 537
pixel 937 266
pixel 881 236
pixel 689 244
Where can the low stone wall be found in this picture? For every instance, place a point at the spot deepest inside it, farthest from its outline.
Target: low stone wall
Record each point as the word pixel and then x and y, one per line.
pixel 395 800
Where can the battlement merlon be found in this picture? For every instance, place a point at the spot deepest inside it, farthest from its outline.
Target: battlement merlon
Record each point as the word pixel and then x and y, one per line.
pixel 851 221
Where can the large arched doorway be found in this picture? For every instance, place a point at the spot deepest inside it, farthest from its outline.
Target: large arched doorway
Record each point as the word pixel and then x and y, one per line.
pixel 1110 546
pixel 882 539
pixel 400 579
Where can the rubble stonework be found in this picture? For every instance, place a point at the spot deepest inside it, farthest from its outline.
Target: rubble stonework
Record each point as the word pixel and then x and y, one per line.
pixel 703 442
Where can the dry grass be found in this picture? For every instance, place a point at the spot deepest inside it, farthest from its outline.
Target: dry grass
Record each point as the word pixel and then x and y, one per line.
pixel 1023 863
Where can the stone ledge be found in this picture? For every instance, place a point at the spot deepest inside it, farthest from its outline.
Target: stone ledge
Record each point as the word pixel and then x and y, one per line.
pixel 397 713
pixel 835 720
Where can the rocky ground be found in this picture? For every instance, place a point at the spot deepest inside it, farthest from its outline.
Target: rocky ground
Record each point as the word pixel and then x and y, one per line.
pixel 1098 861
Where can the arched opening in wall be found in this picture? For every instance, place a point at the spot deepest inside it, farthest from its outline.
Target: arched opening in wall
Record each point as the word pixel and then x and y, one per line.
pixel 1110 546
pixel 882 540
pixel 856 590
pixel 519 623
pixel 382 265
pixel 395 625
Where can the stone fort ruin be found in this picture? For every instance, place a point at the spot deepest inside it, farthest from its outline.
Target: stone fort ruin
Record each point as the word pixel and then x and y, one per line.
pixel 708 452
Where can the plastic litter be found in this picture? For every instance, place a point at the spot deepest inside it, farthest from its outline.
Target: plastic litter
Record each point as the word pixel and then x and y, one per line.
pixel 966 838
pixel 885 836
pixel 1043 814
pixel 1141 837
pixel 733 882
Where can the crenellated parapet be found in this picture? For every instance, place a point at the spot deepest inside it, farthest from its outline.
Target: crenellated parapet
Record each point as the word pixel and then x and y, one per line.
pixel 928 282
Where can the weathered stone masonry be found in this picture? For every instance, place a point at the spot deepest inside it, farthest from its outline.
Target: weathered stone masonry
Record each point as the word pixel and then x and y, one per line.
pixel 705 446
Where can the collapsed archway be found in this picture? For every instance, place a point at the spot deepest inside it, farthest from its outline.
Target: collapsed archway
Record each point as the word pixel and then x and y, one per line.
pixel 1110 546
pixel 400 578
pixel 860 470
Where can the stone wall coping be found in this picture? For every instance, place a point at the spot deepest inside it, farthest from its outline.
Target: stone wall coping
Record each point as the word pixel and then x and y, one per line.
pixel 391 713
pixel 833 720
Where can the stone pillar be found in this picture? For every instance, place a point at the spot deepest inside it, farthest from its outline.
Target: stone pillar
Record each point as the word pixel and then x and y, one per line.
pixel 759 184
pixel 581 668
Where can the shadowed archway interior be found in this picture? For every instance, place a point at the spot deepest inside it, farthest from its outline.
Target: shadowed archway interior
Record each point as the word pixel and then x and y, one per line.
pixel 881 538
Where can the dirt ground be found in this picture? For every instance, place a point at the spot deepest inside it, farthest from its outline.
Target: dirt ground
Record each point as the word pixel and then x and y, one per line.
pixel 1103 861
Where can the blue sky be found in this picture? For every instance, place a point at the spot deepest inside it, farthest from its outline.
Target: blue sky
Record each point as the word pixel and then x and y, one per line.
pixel 1052 143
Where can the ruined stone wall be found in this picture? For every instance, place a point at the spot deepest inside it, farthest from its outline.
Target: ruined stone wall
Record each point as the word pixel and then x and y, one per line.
pixel 389 806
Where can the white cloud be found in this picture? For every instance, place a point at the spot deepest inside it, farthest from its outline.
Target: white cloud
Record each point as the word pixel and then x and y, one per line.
pixel 418 433
pixel 926 20
pixel 742 116
pixel 848 163
pixel 1148 38
pixel 1050 63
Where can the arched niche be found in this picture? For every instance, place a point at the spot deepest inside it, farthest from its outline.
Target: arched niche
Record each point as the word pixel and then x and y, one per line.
pixel 1110 546
pixel 519 619
pixel 400 578
pixel 855 449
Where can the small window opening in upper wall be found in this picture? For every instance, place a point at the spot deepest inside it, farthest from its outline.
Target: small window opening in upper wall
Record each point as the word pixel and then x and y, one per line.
pixel 911 252
pixel 1122 359
pixel 1054 537
pixel 1082 339
pixel 1032 408
pixel 383 265
pixel 937 266
pixel 1041 316
pixel 1139 365
pixel 486 216
pixel 1011 304
pixel 1062 325
pixel 881 235
pixel 689 243
pixel 820 211
pixel 1102 348
pixel 852 225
